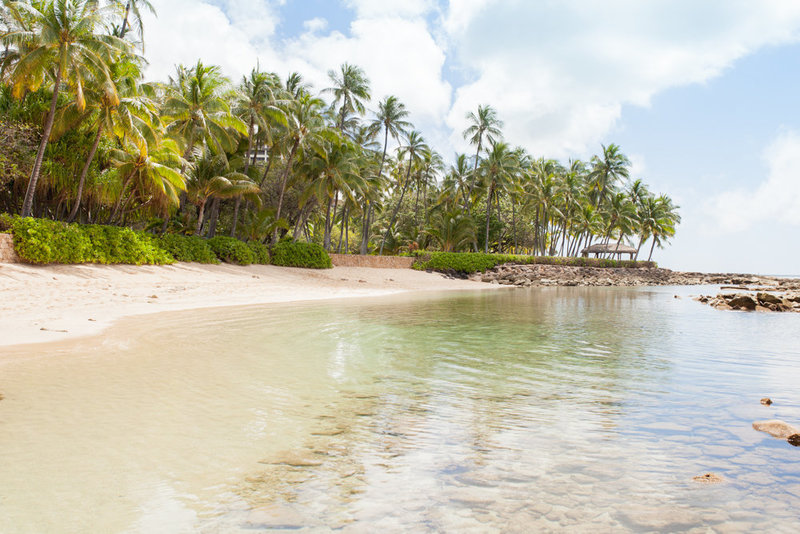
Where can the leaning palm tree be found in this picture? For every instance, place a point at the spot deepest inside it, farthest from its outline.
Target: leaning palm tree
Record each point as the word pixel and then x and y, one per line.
pixel 350 91
pixel 57 40
pixel 133 8
pixel 484 125
pixel 391 119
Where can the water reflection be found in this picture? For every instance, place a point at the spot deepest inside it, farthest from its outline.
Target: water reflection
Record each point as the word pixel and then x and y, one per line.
pixel 543 409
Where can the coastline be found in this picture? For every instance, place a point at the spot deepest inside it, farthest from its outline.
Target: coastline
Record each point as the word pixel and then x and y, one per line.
pixel 40 304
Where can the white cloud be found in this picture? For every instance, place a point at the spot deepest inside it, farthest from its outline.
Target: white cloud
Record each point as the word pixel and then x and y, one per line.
pixel 560 72
pixel 316 24
pixel 775 200
pixel 390 8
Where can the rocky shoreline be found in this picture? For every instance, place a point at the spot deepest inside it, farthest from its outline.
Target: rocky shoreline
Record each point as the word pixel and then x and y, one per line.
pixel 737 292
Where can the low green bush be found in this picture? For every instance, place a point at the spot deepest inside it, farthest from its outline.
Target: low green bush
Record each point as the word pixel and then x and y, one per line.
pixel 44 241
pixel 260 251
pixel 231 250
pixel 187 248
pixel 297 254
pixel 473 262
pixel 6 222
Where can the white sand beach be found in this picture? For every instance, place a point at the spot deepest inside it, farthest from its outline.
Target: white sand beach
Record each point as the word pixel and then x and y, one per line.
pixel 51 303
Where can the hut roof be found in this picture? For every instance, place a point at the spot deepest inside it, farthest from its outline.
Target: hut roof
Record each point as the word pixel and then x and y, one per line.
pixel 610 248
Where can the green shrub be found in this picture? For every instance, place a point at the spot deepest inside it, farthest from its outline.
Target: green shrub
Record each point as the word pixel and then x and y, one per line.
pixel 187 248
pixel 472 262
pixel 297 254
pixel 231 250
pixel 44 241
pixel 260 251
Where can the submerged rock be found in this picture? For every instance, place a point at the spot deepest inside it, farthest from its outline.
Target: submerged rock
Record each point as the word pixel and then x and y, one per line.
pixel 708 478
pixel 776 428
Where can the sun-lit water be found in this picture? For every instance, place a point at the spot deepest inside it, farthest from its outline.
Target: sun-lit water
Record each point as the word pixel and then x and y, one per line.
pixel 537 410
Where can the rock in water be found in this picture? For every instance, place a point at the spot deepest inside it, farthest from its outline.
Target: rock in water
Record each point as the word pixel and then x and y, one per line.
pixel 794 439
pixel 708 478
pixel 766 401
pixel 742 302
pixel 775 428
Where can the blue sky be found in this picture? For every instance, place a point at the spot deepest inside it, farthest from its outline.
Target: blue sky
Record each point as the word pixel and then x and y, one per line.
pixel 701 95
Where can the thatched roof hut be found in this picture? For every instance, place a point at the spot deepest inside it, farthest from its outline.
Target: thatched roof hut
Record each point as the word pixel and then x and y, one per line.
pixel 609 248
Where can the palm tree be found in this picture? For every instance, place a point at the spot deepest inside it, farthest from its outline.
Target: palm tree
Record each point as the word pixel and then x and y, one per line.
pixel 120 107
pixel 213 177
pixel 304 123
pixel 57 39
pixel 498 170
pixel 150 172
pixel 606 171
pixel 391 119
pixel 664 220
pixel 414 147
pixel 451 228
pixel 484 125
pixel 135 8
pixel 351 89
pixel 256 105
pixel 196 110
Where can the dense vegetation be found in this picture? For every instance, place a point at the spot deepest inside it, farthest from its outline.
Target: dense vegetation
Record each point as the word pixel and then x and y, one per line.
pixel 298 254
pixel 473 262
pixel 83 137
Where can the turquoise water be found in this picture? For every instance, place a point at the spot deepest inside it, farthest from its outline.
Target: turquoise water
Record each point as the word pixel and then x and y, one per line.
pixel 532 410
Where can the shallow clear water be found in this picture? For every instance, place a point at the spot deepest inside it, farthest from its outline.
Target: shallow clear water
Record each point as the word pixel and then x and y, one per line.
pixel 580 409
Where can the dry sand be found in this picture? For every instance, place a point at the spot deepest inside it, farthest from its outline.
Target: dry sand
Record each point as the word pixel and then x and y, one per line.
pixel 40 304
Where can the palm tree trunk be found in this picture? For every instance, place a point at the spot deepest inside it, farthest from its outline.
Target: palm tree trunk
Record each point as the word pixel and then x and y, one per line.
pixel 488 213
pixel 118 204
pixel 84 173
pixel 284 179
pixel 125 20
pixel 328 224
pixel 27 204
pixel 236 216
pixel 342 230
pixel 266 169
pixel 365 234
pixel 468 201
pixel 653 246
pixel 249 146
pixel 397 208
pixel 200 215
pixel 212 223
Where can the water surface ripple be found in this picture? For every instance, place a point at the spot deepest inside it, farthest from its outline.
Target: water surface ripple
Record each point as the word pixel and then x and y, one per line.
pixel 549 409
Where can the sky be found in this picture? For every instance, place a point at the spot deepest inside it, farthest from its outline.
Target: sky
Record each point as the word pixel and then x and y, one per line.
pixel 701 96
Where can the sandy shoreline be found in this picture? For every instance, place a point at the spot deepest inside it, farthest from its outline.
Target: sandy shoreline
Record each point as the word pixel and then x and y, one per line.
pixel 41 304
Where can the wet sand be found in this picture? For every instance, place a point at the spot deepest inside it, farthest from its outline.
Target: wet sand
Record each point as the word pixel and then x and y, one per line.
pixel 40 304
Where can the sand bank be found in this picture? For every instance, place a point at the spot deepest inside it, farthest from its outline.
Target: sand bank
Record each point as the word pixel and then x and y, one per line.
pixel 40 304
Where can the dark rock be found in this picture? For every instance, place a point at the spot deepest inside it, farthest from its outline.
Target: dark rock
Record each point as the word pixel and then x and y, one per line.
pixel 766 401
pixel 766 298
pixel 742 302
pixel 794 439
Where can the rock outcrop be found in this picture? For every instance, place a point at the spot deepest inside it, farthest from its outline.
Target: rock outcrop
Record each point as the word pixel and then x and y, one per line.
pixel 776 428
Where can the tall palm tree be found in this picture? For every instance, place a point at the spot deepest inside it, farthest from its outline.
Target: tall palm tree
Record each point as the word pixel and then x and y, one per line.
pixel 56 40
pixel 390 118
pixel 304 123
pixel 484 126
pixel 133 8
pixel 196 110
pixel 350 91
pixel 414 147
pixel 257 105
pixel 607 170
pixel 498 170
pixel 120 108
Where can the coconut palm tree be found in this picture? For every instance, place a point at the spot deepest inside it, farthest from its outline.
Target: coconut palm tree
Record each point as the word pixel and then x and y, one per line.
pixel 607 170
pixel 350 92
pixel 497 170
pixel 213 177
pixel 152 173
pixel 133 8
pixel 414 148
pixel 390 118
pixel 58 40
pixel 484 126
pixel 197 111
pixel 257 105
